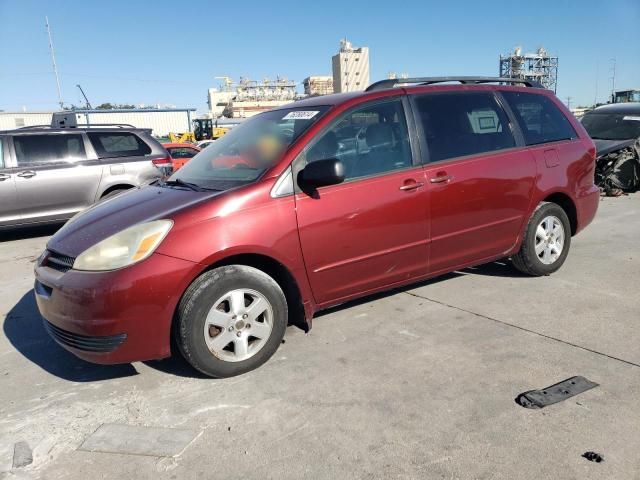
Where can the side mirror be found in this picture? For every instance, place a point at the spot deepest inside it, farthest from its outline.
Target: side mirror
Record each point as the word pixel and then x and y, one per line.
pixel 321 173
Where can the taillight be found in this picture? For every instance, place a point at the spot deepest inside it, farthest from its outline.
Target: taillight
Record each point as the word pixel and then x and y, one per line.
pixel 162 162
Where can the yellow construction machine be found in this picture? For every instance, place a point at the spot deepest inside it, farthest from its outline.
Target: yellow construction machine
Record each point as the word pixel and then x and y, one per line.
pixel 186 137
pixel 207 129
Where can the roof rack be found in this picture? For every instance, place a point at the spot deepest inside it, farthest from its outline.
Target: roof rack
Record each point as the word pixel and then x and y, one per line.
pixel 91 125
pixel 393 82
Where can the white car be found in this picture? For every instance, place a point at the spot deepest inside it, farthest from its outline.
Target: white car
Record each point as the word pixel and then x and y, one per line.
pixel 204 143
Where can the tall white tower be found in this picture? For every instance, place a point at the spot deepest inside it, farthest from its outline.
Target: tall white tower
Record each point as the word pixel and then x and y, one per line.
pixel 350 68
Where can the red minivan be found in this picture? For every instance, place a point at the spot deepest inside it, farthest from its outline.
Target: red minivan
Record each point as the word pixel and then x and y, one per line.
pixel 311 205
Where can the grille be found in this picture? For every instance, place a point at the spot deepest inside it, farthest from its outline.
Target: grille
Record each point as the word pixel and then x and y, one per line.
pixel 83 342
pixel 57 261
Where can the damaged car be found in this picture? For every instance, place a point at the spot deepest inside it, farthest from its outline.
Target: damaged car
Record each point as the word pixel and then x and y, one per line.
pixel 615 129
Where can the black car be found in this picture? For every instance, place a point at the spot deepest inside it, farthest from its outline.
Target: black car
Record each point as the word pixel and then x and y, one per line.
pixel 615 129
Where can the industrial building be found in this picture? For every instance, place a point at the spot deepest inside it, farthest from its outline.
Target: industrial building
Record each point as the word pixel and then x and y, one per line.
pixel 160 121
pixel 11 120
pixel 250 97
pixel 219 98
pixel 350 68
pixel 318 85
pixel 539 67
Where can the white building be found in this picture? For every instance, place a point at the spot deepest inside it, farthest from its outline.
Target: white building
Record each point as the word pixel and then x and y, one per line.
pixel 218 100
pixel 350 68
pixel 160 121
pixel 11 120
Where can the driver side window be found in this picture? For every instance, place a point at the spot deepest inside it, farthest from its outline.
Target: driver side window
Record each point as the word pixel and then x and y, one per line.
pixel 369 141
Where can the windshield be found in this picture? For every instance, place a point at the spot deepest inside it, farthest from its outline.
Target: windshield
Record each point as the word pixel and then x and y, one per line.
pixel 612 126
pixel 247 151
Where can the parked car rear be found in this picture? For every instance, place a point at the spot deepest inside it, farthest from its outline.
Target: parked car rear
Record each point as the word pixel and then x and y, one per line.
pixel 181 153
pixel 314 204
pixel 47 175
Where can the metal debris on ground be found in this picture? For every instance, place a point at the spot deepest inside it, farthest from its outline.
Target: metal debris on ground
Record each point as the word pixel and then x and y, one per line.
pixel 555 393
pixel 618 171
pixel 593 457
pixel 22 455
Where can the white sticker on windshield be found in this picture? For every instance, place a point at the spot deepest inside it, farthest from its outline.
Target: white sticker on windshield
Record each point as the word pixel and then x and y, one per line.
pixel 300 115
pixel 631 117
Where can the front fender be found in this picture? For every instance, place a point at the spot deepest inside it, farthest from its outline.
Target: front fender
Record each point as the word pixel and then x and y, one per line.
pixel 268 229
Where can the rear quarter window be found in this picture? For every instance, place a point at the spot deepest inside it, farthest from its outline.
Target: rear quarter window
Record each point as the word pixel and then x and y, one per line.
pixel 540 120
pixel 118 144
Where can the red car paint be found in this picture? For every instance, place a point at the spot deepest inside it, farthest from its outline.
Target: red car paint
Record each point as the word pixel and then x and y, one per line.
pixel 359 238
pixel 178 163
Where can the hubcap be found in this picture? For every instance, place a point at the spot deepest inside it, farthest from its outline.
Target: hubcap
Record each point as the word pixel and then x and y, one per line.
pixel 549 239
pixel 238 325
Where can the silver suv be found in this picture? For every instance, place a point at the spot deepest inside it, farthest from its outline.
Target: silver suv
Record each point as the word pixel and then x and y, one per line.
pixel 47 175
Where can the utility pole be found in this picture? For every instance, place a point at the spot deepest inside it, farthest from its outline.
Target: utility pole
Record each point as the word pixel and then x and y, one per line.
pixel 569 103
pixel 613 79
pixel 53 60
pixel 595 97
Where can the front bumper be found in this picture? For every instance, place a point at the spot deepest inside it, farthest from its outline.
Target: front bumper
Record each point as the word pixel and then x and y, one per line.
pixel 119 316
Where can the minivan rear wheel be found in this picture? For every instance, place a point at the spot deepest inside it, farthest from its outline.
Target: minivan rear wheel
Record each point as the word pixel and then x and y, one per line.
pixel 546 241
pixel 230 320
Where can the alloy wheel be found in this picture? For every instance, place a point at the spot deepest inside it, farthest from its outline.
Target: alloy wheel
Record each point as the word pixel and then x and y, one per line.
pixel 238 325
pixel 549 239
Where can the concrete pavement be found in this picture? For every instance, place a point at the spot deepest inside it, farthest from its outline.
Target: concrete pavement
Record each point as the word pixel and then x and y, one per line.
pixel 418 383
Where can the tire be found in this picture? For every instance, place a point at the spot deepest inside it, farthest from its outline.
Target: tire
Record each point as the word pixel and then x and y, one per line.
pixel 539 255
pixel 230 321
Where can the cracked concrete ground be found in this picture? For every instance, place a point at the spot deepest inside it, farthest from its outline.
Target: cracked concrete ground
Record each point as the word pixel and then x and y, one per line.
pixel 418 383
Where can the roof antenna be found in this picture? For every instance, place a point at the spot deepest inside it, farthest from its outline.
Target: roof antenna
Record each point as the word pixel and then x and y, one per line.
pixel 53 60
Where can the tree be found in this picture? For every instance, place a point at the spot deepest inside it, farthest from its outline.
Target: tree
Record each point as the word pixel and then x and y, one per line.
pixel 113 106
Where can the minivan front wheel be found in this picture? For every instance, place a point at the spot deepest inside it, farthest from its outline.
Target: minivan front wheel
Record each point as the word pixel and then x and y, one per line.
pixel 231 320
pixel 546 241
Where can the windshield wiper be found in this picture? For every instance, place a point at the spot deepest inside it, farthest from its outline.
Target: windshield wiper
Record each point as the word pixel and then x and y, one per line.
pixel 182 183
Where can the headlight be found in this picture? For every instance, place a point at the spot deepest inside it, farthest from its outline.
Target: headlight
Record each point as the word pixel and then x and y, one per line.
pixel 124 248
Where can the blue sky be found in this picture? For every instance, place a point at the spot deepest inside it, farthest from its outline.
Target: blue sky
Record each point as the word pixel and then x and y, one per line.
pixel 164 52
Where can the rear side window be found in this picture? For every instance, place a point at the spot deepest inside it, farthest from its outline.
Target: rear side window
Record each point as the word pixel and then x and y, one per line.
pixel 182 152
pixel 118 144
pixel 539 118
pixel 459 124
pixel 46 149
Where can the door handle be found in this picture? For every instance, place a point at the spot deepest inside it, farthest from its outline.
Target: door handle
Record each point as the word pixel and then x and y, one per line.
pixel 4 176
pixel 27 174
pixel 441 179
pixel 411 185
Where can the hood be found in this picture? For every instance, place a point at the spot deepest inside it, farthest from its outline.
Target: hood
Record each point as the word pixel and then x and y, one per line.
pixel 114 215
pixel 604 147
